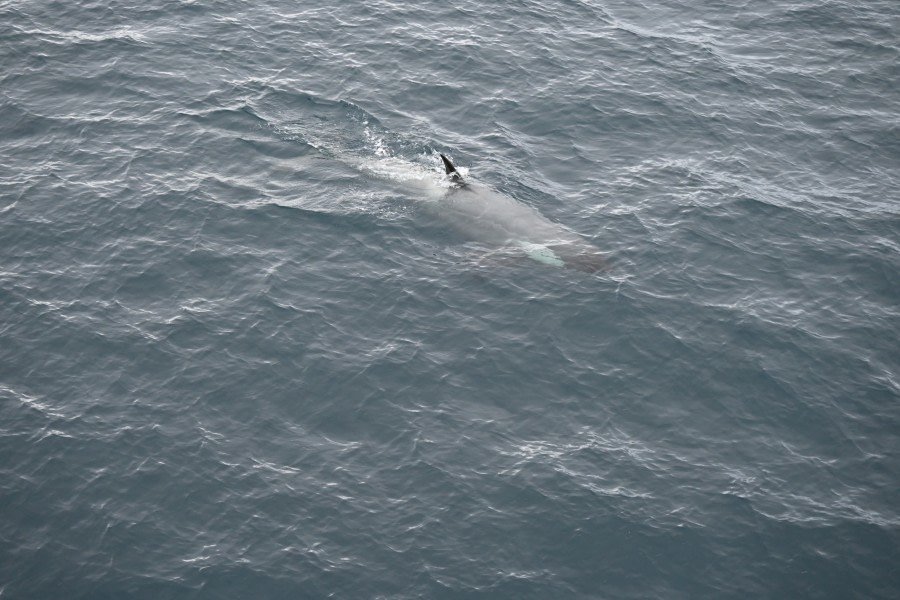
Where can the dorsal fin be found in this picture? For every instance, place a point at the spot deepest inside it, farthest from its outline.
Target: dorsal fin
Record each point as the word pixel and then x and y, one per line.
pixel 450 169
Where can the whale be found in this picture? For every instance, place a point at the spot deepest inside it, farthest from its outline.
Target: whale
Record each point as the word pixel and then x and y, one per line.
pixel 511 228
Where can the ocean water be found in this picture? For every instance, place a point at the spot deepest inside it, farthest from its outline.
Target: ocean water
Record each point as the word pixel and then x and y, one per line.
pixel 255 344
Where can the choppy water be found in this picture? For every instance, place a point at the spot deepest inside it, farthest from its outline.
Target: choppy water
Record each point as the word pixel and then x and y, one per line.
pixel 250 349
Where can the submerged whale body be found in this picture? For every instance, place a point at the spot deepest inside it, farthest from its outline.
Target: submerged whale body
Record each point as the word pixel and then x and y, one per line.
pixel 492 218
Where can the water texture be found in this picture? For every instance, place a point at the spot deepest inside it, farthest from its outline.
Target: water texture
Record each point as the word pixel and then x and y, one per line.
pixel 249 349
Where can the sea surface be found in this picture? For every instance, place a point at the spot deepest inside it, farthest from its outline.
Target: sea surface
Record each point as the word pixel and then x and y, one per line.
pixel 254 344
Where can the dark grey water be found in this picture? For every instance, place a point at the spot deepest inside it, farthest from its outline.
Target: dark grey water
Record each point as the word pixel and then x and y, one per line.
pixel 252 344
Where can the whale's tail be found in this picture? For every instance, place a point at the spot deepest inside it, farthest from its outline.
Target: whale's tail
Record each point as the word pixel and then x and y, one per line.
pixel 450 170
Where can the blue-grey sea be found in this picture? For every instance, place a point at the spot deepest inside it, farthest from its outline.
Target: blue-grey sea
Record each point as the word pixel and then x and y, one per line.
pixel 256 343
